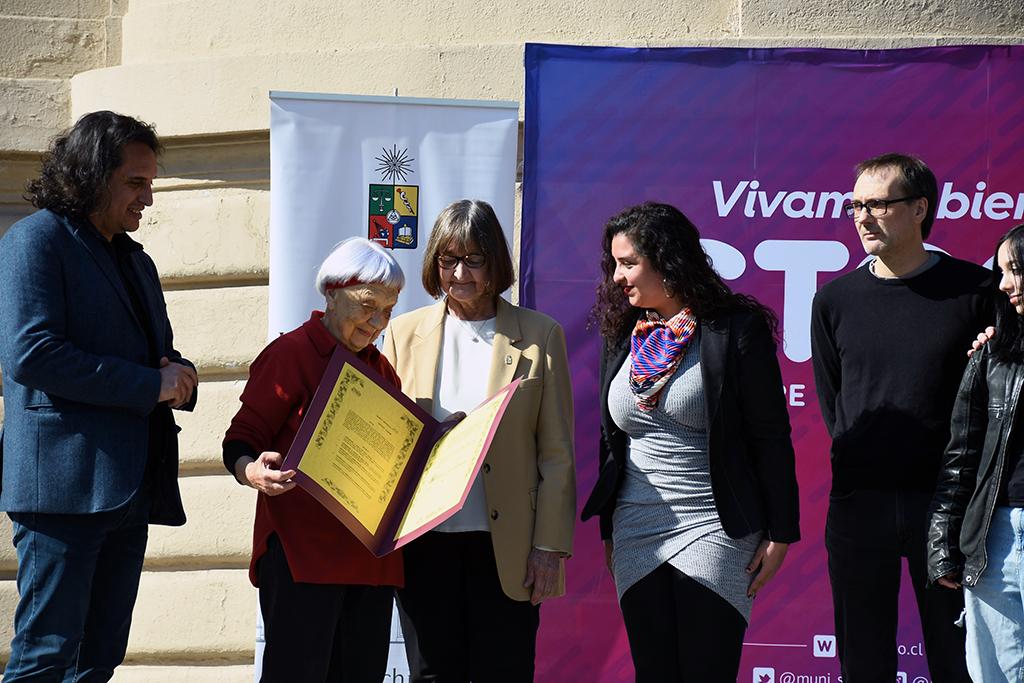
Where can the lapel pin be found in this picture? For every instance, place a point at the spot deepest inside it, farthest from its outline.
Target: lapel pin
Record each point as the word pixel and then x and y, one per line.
pixel 508 360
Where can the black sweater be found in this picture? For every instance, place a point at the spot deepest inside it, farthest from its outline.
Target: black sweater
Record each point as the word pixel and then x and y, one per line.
pixel 888 356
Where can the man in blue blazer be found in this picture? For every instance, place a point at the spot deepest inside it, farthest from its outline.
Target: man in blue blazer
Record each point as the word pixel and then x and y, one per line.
pixel 89 447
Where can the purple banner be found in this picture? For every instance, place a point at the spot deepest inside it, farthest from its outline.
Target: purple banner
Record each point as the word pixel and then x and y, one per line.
pixel 757 147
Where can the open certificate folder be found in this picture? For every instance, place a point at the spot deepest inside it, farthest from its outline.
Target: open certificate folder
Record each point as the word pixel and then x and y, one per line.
pixel 380 463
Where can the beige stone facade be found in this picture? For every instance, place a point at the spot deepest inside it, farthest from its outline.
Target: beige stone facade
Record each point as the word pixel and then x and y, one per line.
pixel 201 70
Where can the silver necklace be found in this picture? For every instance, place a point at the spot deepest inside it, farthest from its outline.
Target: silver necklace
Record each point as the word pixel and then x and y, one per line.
pixel 474 329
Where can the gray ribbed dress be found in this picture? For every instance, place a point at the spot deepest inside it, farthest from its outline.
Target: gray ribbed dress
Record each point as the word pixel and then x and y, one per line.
pixel 665 511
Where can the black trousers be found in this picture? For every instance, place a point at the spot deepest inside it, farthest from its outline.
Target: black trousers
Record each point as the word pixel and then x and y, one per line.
pixel 319 633
pixel 867 533
pixel 459 625
pixel 680 631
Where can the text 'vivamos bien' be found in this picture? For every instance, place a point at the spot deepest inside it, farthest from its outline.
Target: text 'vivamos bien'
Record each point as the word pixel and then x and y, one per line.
pixel 758 203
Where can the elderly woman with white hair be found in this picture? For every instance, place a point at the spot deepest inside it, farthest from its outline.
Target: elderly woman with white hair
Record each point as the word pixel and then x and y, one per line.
pixel 325 599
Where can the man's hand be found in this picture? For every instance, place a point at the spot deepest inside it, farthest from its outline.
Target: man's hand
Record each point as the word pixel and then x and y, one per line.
pixel 767 561
pixel 177 382
pixel 264 474
pixel 543 568
pixel 982 339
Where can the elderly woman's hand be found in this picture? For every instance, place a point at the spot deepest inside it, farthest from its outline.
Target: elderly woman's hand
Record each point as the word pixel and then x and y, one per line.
pixel 543 569
pixel 264 474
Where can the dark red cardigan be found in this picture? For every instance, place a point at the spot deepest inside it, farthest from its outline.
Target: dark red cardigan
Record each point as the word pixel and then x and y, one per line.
pixel 282 381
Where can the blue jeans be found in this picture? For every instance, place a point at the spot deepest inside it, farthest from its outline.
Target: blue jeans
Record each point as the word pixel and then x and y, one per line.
pixel 78 576
pixel 995 605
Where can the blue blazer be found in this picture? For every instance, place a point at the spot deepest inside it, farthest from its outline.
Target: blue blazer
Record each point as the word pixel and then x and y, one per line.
pixel 78 384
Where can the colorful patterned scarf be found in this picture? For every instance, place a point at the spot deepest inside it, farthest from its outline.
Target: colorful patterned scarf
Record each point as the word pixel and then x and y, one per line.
pixel 656 348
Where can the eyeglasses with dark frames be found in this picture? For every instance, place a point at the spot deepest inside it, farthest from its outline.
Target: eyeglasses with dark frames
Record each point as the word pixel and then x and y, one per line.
pixel 875 207
pixel 449 261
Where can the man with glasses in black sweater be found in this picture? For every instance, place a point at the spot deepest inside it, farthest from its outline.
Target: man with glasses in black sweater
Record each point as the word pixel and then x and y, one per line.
pixel 888 343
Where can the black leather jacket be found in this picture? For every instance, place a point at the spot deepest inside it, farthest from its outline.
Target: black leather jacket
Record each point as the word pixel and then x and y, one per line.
pixel 968 486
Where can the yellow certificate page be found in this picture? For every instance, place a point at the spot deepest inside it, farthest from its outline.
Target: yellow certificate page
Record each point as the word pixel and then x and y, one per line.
pixel 449 467
pixel 360 446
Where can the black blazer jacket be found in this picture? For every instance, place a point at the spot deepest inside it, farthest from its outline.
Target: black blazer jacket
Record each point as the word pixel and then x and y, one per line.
pixel 753 473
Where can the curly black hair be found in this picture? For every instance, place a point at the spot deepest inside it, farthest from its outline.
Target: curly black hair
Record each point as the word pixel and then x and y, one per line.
pixel 80 161
pixel 670 242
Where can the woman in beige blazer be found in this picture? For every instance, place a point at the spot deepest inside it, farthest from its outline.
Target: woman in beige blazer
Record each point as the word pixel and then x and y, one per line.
pixel 473 586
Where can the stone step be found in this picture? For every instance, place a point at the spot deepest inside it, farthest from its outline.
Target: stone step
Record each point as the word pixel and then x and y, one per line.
pixel 229 673
pixel 202 430
pixel 32 111
pixel 210 614
pixel 84 9
pixel 235 88
pixel 208 233
pixel 50 47
pixel 220 328
pixel 188 26
pixel 218 532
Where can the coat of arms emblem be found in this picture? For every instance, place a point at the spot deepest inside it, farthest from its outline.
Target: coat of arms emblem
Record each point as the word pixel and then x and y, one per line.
pixel 393 205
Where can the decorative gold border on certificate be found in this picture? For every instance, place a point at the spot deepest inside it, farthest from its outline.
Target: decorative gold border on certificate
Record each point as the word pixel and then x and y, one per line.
pixel 346 380
pixel 413 427
pixel 341 495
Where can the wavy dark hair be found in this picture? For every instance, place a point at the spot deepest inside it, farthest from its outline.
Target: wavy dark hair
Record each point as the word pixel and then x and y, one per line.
pixel 80 161
pixel 1008 344
pixel 670 242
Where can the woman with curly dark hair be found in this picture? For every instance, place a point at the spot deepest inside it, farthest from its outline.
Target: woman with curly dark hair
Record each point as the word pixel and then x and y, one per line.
pixel 697 492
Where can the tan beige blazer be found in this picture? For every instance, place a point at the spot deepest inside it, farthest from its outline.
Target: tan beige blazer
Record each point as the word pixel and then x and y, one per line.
pixel 529 472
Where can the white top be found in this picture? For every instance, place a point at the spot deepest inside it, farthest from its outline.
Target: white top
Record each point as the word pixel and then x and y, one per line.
pixel 462 385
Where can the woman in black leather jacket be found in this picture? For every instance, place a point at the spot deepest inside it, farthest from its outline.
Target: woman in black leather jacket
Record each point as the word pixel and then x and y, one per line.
pixel 977 521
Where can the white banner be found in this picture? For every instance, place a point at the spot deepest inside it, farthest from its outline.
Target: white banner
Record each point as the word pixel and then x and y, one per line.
pixel 377 167
pixel 381 168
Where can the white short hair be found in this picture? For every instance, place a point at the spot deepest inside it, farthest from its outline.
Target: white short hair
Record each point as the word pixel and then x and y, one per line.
pixel 357 258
